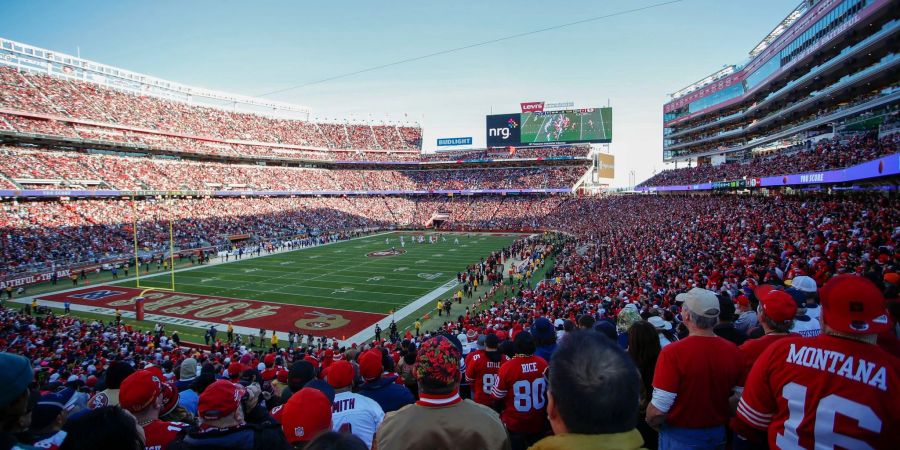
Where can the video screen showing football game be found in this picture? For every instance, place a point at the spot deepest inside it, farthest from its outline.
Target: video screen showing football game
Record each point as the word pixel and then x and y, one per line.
pixel 567 126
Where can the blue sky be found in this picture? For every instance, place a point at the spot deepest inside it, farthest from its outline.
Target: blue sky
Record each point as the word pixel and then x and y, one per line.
pixel 632 61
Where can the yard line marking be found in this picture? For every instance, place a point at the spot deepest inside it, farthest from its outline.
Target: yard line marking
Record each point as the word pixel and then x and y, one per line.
pixel 403 312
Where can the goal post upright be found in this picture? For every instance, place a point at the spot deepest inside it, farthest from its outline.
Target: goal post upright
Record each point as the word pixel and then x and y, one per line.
pixel 172 251
pixel 137 260
pixel 134 231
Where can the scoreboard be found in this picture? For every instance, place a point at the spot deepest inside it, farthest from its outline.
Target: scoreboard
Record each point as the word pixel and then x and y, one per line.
pixel 568 126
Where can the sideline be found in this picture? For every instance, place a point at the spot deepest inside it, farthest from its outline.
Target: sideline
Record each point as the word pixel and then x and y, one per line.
pixel 404 312
pixel 366 334
pixel 282 336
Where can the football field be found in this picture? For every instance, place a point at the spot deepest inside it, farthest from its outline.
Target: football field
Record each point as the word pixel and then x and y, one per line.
pixel 579 126
pixel 337 289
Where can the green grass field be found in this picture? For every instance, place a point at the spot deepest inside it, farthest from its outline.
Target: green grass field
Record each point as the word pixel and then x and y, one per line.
pixel 340 275
pixel 593 126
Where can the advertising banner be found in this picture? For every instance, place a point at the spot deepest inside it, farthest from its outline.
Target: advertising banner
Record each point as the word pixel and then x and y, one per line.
pixel 445 142
pixel 606 166
pixel 503 130
pixel 881 167
pixel 532 106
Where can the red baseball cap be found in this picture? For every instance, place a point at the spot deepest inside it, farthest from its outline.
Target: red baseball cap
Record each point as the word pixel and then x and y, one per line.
pixel 778 306
pixel 305 415
pixel 763 289
pixel 170 398
pixel 234 370
pixel 370 366
pixel 854 304
pixel 139 390
pixel 156 370
pixel 340 374
pixel 742 300
pixel 269 359
pixel 282 376
pixel 220 399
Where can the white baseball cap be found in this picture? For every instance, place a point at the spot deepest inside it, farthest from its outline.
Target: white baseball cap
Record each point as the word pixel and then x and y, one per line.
pixel 804 283
pixel 700 301
pixel 659 323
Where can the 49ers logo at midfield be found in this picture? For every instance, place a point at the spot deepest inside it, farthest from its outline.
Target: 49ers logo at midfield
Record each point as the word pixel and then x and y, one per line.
pixel 391 252
pixel 322 321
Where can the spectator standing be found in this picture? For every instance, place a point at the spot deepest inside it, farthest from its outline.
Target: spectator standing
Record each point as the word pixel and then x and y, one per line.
pixel 726 328
pixel 482 367
pixel 521 384
pixel 441 418
pixel 305 416
pixel 49 416
pixel 545 338
pixel 352 413
pixel 694 379
pixel 104 428
pixel 837 389
pixel 803 290
pixel 222 423
pixel 141 394
pixel 663 329
pixel 747 319
pixel 776 317
pixel 591 395
pixel 15 376
pixel 379 387
pixel 643 348
pixel 117 372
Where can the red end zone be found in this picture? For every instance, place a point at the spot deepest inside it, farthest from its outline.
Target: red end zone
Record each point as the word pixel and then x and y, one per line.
pixel 204 310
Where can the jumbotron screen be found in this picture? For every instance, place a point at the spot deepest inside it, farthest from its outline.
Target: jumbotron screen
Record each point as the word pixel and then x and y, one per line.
pixel 567 126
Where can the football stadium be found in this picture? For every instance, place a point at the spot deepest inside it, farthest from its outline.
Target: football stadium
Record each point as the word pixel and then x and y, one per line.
pixel 275 227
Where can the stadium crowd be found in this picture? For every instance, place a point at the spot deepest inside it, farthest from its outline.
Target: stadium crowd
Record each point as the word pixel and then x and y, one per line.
pixel 29 92
pixel 37 103
pixel 660 282
pixel 826 154
pixel 30 168
pixel 41 234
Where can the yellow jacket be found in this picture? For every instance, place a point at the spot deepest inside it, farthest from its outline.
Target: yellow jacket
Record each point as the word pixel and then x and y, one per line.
pixel 629 440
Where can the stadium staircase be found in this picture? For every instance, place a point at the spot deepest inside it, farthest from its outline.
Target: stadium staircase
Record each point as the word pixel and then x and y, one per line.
pixel 41 94
pixel 9 181
pixel 375 138
pixel 88 102
pixel 583 179
pixel 394 217
pixel 399 136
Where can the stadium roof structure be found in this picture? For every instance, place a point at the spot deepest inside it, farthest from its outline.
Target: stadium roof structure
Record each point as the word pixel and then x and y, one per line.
pixel 718 75
pixel 786 23
pixel 59 64
pixel 781 27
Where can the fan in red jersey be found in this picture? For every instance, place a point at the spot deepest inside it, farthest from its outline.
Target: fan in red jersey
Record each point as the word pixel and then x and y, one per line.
pixel 482 367
pixel 142 394
pixel 837 389
pixel 521 383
